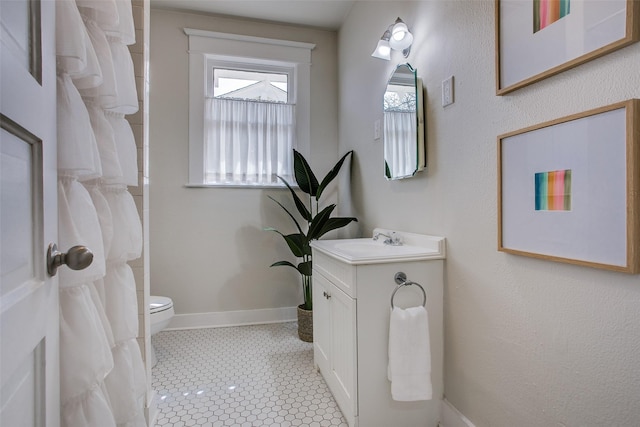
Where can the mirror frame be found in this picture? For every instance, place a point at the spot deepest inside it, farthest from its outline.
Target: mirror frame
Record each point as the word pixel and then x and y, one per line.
pixel 421 159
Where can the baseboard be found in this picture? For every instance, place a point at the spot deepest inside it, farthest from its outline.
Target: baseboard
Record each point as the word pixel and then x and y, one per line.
pixel 151 409
pixel 232 318
pixel 451 417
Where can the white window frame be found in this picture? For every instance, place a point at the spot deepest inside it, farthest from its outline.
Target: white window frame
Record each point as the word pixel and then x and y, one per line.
pixel 207 48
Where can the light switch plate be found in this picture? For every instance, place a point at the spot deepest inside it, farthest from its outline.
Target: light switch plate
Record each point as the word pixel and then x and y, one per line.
pixel 376 129
pixel 447 91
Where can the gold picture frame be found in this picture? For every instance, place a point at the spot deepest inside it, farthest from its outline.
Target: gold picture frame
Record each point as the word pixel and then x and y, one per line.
pixel 569 189
pixel 529 49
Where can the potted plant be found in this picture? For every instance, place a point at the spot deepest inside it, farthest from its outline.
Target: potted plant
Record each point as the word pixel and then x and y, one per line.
pixel 319 222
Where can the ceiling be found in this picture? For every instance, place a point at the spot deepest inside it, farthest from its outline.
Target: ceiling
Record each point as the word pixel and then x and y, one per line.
pixel 327 14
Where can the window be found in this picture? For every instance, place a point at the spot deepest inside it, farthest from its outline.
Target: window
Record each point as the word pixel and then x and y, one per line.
pixel 250 85
pixel 248 108
pixel 249 124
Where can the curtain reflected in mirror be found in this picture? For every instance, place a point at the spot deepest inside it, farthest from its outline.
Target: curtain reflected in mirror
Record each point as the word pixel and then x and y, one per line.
pixel 404 152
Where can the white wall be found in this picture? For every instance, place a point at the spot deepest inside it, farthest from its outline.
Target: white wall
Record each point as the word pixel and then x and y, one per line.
pixel 209 252
pixel 527 342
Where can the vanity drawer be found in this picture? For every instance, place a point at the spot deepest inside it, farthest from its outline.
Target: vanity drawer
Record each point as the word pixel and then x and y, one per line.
pixel 339 273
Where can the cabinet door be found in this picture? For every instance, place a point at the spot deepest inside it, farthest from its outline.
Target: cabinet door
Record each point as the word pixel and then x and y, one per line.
pixel 343 350
pixel 321 322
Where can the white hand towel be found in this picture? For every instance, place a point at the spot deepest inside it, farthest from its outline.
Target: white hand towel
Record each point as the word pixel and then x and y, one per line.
pixel 409 367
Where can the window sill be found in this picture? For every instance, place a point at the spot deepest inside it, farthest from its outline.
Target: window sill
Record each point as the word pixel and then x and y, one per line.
pixel 242 186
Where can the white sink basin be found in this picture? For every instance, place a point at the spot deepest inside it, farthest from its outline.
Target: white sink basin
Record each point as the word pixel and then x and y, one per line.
pixel 368 247
pixel 369 251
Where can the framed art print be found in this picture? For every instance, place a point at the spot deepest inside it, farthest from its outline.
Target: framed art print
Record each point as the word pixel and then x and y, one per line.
pixel 569 189
pixel 536 39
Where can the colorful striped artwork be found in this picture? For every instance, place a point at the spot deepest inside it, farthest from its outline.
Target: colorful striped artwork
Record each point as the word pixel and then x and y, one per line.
pixel 546 12
pixel 553 190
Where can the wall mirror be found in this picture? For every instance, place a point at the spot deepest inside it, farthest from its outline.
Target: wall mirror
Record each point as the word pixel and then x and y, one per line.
pixel 404 142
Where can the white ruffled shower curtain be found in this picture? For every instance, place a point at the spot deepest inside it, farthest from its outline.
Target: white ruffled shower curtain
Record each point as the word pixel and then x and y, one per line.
pixel 102 377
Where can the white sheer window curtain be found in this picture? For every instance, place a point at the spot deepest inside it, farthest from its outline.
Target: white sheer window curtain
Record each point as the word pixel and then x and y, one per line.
pixel 248 142
pixel 400 142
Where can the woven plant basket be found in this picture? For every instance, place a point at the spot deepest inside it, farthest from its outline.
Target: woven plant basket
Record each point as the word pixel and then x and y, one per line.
pixel 305 324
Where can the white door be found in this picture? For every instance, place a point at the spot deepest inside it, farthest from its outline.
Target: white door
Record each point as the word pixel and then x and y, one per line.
pixel 29 365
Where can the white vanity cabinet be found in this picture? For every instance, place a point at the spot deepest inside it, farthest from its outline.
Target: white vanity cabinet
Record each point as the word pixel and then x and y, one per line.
pixel 351 308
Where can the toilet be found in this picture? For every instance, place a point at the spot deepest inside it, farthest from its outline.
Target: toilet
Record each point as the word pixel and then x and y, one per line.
pixel 161 309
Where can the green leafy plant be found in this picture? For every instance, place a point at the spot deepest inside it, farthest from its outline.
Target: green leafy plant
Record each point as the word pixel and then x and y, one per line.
pixel 319 222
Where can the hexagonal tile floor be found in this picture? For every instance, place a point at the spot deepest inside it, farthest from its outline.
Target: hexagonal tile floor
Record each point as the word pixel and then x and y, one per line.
pixel 244 376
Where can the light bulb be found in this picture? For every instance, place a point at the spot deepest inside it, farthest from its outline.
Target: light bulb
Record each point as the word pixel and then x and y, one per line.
pixel 399 31
pixel 402 42
pixel 401 37
pixel 382 51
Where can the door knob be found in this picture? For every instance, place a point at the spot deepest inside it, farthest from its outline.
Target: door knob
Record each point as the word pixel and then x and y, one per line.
pixel 77 258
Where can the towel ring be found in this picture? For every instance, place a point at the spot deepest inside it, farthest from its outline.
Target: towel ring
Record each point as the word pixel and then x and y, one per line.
pixel 401 280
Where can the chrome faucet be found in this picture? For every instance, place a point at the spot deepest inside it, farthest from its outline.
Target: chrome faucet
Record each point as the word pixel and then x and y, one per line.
pixel 392 240
pixel 377 236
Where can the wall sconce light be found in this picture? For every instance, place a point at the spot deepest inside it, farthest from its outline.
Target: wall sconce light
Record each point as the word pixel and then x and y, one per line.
pixel 396 37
